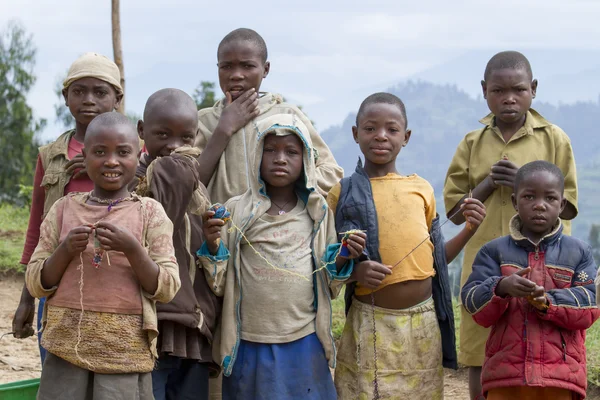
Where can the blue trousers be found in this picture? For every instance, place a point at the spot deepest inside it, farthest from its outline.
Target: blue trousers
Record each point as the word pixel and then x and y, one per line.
pixel 177 378
pixel 295 370
pixel 39 328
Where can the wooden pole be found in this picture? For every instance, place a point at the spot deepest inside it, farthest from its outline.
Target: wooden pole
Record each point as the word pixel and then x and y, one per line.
pixel 117 47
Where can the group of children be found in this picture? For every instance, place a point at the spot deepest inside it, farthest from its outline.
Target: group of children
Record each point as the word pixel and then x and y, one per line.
pixel 217 242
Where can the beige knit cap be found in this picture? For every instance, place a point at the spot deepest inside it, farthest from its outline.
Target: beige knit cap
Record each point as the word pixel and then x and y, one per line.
pixel 94 65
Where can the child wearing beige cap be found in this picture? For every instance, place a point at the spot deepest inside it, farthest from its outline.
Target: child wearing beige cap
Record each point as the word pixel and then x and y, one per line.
pixel 92 87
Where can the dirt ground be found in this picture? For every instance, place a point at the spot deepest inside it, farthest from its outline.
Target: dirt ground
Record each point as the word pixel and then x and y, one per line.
pixel 19 358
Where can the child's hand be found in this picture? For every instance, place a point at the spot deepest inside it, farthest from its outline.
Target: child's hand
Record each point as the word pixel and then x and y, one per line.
pixel 503 173
pixel 22 323
pixel 77 239
pixel 76 164
pixel 116 238
pixel 474 213
pixel 370 273
pixel 355 244
pixel 238 113
pixel 211 227
pixel 538 298
pixel 515 285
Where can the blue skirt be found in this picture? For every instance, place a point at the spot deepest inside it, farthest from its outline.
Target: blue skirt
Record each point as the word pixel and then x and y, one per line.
pixel 295 370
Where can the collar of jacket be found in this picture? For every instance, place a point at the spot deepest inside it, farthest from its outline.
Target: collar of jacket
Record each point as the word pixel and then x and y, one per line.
pixel 515 233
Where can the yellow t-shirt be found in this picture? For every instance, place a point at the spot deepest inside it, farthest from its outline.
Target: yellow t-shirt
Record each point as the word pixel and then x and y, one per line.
pixel 538 139
pixel 405 209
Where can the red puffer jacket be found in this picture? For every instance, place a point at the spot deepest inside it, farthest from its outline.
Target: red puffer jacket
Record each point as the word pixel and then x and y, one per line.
pixel 527 347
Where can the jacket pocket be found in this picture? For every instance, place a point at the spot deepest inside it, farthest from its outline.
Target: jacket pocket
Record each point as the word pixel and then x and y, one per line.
pixel 494 343
pixel 571 343
pixel 50 179
pixel 561 277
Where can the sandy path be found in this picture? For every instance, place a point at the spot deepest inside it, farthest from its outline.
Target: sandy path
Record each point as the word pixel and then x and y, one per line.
pixel 19 358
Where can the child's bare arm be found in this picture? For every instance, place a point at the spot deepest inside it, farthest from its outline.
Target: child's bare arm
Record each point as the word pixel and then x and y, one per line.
pixel 235 116
pixel 116 238
pixel 55 266
pixel 473 213
pixel 481 193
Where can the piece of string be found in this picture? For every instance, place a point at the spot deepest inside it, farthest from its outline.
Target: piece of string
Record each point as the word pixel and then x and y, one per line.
pixel 221 212
pixel 80 268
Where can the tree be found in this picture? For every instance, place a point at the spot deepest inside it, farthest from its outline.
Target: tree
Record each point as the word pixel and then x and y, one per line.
pixel 594 241
pixel 63 115
pixel 18 125
pixel 117 46
pixel 204 95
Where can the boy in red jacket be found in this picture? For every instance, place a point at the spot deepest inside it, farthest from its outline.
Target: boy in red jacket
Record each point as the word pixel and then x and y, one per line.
pixel 535 288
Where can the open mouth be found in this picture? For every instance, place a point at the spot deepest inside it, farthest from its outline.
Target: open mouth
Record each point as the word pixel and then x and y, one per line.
pixel 111 175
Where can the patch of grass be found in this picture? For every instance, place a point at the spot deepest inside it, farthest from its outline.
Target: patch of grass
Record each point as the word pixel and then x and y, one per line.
pixel 13 225
pixel 592 343
pixel 339 316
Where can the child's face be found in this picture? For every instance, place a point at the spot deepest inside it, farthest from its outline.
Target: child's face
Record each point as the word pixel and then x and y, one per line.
pixel 111 158
pixel 167 129
pixel 381 133
pixel 539 201
pixel 509 93
pixel 241 67
pixel 282 162
pixel 89 97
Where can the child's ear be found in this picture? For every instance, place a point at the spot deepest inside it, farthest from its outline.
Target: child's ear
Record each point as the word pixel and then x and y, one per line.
pixel 534 85
pixel 267 69
pixel 406 137
pixel 118 102
pixel 514 202
pixel 65 93
pixel 484 88
pixel 84 153
pixel 355 133
pixel 563 204
pixel 140 129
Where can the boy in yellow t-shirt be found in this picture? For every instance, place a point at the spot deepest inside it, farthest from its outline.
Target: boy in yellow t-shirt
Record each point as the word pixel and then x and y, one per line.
pixel 515 134
pixel 400 328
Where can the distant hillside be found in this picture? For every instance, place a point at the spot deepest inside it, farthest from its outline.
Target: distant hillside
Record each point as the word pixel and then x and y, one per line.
pixel 440 116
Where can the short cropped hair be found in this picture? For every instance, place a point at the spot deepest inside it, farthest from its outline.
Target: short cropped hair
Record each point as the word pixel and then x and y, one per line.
pixel 245 34
pixel 173 98
pixel 538 166
pixel 109 119
pixel 382 98
pixel 507 59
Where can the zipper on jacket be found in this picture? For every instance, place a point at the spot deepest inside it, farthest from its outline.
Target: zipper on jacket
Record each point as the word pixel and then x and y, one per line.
pixel 536 257
pixel 564 346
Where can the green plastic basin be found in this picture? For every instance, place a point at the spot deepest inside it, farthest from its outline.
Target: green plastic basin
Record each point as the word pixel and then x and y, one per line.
pixel 21 390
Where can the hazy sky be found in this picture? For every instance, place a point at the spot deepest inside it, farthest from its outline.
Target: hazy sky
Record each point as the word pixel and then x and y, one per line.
pixel 321 51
